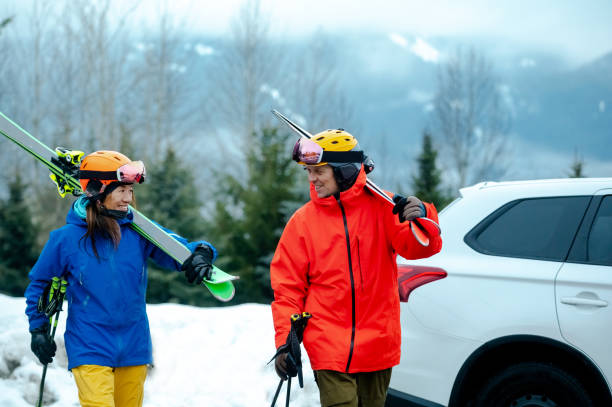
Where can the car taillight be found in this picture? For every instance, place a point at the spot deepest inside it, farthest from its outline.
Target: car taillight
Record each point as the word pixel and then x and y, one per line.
pixel 411 277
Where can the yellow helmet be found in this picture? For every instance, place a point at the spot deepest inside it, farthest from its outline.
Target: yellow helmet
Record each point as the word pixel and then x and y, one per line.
pixel 335 140
pixel 340 150
pixel 332 141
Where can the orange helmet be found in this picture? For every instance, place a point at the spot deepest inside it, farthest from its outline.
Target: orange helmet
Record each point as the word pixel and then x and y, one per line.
pixel 100 169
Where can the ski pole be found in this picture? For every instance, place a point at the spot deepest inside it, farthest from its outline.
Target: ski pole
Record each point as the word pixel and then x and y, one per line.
pixel 294 354
pixel 291 339
pixel 278 389
pixel 288 391
pixel 56 297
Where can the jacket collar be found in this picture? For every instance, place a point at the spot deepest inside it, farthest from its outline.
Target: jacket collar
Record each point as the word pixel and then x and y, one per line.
pixel 78 213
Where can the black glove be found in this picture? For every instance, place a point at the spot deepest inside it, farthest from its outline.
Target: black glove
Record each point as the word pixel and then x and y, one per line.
pixel 43 347
pixel 408 209
pixel 284 364
pixel 198 266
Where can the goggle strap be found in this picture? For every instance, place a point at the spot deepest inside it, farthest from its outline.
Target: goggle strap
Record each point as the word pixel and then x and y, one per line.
pixel 101 175
pixel 342 156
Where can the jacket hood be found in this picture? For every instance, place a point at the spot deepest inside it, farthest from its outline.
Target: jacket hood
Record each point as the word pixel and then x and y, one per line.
pixel 355 190
pixel 77 214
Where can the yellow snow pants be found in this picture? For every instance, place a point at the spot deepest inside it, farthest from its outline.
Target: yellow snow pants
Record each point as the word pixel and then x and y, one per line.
pixel 103 386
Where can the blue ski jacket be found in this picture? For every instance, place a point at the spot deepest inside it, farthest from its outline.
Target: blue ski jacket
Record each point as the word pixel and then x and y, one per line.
pixel 107 323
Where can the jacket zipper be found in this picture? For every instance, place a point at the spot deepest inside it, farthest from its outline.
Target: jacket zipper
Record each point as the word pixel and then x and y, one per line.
pixel 348 249
pixel 359 264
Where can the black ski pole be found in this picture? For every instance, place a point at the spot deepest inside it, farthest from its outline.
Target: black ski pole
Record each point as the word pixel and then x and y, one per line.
pixel 294 353
pixel 56 297
pixel 278 389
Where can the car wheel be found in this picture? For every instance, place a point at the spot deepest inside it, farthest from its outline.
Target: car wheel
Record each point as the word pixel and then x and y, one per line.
pixel 533 384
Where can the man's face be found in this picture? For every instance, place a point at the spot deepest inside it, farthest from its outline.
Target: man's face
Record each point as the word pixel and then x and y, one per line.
pixel 322 177
pixel 120 198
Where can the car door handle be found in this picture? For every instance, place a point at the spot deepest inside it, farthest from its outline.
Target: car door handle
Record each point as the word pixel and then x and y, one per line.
pixel 584 301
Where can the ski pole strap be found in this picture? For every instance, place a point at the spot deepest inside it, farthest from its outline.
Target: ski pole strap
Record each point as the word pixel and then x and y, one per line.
pixel 50 302
pixel 294 339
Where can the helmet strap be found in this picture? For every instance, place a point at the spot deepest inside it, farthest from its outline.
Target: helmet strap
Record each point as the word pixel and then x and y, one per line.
pixel 342 156
pixel 112 213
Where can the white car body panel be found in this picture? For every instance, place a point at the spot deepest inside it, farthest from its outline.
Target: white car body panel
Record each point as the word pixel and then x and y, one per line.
pixel 498 296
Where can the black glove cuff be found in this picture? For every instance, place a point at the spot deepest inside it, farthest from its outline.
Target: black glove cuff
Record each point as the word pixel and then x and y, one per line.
pixel 43 329
pixel 205 252
pixel 424 209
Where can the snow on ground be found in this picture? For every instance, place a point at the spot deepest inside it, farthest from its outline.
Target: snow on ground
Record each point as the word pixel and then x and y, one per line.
pixel 202 357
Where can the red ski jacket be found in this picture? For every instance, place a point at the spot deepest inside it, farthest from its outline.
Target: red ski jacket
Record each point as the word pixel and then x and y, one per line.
pixel 336 259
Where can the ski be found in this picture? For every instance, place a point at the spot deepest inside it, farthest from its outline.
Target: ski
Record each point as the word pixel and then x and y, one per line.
pixel 63 165
pixel 422 228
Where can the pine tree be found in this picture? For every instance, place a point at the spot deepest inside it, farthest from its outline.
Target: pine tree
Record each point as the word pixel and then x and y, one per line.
pixel 577 167
pixel 169 197
pixel 263 202
pixel 426 184
pixel 4 22
pixel 18 250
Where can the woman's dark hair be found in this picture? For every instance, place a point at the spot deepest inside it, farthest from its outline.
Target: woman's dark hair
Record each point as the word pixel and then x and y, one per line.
pixel 99 225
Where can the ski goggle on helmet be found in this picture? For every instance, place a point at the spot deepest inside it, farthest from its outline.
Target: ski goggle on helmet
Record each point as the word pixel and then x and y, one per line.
pixel 100 169
pixel 329 146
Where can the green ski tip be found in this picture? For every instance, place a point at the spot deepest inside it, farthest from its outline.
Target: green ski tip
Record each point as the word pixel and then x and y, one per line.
pixel 220 285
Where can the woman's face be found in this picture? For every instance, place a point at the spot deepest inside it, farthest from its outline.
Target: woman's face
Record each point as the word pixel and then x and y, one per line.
pixel 120 198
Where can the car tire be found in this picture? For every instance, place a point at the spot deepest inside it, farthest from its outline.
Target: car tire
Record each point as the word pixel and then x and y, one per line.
pixel 533 384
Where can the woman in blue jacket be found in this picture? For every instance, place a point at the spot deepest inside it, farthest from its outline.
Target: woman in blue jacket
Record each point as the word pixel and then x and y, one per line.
pixel 105 263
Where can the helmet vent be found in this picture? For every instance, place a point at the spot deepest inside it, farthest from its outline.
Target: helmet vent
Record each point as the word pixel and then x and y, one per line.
pixel 320 138
pixel 335 142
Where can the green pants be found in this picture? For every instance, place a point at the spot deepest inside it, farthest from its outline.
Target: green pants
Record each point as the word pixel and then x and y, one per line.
pixel 367 389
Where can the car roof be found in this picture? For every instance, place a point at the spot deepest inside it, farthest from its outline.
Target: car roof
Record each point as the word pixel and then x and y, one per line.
pixel 569 186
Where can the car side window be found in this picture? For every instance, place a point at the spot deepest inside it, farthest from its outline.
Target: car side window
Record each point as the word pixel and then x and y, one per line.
pixel 599 241
pixel 539 228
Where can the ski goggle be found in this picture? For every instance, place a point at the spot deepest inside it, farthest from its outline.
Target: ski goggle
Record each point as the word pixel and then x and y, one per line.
pixel 307 152
pixel 130 173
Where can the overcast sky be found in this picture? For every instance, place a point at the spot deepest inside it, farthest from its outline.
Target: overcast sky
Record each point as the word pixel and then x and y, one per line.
pixel 580 30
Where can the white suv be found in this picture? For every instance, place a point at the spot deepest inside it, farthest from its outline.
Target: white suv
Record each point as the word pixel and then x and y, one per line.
pixel 516 310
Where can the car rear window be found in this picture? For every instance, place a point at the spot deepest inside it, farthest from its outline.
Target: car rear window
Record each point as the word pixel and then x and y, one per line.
pixel 540 228
pixel 599 243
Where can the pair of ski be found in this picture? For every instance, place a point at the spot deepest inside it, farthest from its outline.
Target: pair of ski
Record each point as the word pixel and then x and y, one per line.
pixel 422 228
pixel 63 165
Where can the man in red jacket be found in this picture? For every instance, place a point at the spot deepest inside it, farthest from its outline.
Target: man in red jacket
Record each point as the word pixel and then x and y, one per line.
pixel 337 260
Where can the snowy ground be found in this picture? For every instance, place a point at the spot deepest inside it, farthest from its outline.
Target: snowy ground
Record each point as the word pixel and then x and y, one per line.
pixel 203 357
